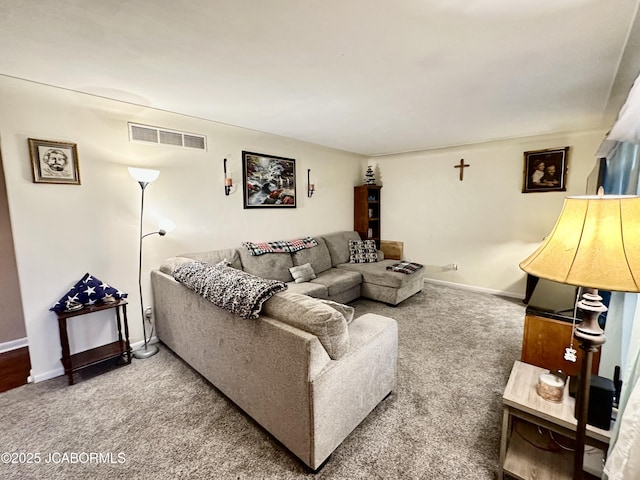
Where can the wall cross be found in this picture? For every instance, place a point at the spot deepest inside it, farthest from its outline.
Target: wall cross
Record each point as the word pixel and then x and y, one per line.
pixel 461 167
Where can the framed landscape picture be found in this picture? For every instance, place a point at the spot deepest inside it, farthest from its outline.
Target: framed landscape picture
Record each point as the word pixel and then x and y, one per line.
pixel 269 181
pixel 54 162
pixel 545 170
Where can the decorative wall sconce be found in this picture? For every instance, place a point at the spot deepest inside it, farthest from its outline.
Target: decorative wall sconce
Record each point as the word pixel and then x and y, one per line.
pixel 310 186
pixel 228 182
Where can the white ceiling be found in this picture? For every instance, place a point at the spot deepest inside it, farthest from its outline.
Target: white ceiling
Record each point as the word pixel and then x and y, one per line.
pixel 367 76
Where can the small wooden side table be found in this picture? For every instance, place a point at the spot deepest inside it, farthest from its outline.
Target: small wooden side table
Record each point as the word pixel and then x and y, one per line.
pixel 121 348
pixel 518 458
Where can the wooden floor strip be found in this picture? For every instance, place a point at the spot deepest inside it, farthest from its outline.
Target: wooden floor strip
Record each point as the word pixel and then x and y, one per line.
pixel 15 367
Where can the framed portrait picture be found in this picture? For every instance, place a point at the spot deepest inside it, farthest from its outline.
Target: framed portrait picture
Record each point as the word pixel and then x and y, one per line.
pixel 545 170
pixel 269 181
pixel 54 162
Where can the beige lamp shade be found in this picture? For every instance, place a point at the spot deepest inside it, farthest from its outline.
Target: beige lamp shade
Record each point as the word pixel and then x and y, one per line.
pixel 595 243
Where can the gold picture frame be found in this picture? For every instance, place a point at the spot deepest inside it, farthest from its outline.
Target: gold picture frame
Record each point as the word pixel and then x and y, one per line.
pixel 54 162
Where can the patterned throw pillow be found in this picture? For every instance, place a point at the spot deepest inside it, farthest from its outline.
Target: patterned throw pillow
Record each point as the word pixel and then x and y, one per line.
pixel 88 291
pixel 362 251
pixel 302 273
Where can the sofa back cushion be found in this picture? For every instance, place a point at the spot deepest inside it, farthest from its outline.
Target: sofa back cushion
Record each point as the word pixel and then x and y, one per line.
pixel 318 257
pixel 313 316
pixel 338 246
pixel 216 256
pixel 274 266
pixel 170 264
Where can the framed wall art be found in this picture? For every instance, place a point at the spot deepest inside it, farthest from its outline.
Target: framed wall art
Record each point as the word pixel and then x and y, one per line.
pixel 269 181
pixel 54 162
pixel 545 170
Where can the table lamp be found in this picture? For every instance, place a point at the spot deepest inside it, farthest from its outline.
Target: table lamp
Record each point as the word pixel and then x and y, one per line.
pixel 595 244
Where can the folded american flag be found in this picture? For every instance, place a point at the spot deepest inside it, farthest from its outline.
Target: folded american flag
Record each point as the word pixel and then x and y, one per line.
pixel 405 267
pixel 281 246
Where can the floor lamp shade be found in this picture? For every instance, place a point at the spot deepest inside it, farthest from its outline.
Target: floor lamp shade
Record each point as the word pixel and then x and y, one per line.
pixel 144 175
pixel 595 243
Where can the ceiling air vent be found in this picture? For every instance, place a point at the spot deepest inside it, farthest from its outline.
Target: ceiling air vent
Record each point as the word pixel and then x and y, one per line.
pixel 163 136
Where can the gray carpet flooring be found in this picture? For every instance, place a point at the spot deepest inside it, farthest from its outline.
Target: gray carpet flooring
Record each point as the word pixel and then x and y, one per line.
pixel 157 418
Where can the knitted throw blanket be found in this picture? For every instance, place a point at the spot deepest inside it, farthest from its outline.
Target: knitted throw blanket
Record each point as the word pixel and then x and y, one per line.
pixel 281 246
pixel 234 290
pixel 405 267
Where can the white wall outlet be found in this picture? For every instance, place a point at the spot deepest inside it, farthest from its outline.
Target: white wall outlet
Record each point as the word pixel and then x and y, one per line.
pixel 454 266
pixel 148 312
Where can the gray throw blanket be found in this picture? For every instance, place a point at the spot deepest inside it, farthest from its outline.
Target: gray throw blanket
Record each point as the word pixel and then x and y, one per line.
pixel 234 290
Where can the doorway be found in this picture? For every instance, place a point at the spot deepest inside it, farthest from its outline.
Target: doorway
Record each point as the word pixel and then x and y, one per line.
pixel 15 364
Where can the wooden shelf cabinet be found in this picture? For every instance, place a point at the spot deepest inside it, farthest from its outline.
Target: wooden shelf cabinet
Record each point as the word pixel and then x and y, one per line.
pixel 544 341
pixel 120 349
pixel 366 212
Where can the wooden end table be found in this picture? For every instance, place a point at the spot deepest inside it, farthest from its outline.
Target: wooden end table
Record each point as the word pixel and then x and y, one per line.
pixel 121 348
pixel 518 458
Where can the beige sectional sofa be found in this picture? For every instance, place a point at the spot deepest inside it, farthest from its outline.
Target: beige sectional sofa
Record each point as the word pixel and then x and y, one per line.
pixel 336 278
pixel 302 370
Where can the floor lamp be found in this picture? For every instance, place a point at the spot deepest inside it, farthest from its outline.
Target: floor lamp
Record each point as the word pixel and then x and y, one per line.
pixel 595 244
pixel 144 177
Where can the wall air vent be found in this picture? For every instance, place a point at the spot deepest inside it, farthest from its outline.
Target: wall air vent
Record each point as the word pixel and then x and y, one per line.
pixel 163 136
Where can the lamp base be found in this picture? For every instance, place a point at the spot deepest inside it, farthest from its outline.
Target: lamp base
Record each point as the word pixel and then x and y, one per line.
pixel 146 352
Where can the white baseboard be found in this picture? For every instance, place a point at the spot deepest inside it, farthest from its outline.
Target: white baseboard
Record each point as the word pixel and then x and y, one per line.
pixel 57 372
pixel 41 377
pixel 140 344
pixel 14 345
pixel 473 288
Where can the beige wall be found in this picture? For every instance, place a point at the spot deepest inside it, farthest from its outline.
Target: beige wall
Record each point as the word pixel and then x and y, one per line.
pixel 64 231
pixel 483 223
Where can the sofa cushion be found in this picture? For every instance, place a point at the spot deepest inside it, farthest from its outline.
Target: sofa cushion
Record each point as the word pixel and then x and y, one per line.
pixel 302 273
pixel 362 251
pixel 313 316
pixel 347 311
pixel 170 264
pixel 274 266
pixel 338 246
pixel 229 288
pixel 338 280
pixel 307 288
pixel 377 273
pixel 216 256
pixel 319 257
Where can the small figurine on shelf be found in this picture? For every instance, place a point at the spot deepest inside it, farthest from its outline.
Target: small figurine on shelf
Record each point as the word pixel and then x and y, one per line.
pixel 369 178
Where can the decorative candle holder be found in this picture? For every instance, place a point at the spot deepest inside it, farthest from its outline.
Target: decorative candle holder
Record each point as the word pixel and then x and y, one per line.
pixel 228 181
pixel 551 386
pixel 310 186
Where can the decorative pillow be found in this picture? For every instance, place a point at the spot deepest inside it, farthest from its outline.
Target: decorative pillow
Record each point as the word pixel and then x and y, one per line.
pixel 234 290
pixel 347 311
pixel 302 273
pixel 313 316
pixel 86 292
pixel 362 251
